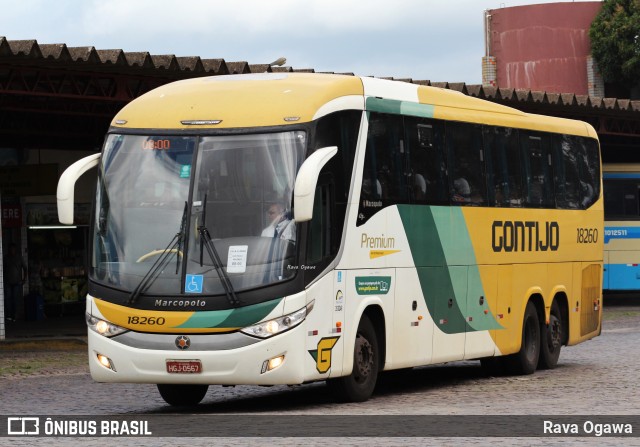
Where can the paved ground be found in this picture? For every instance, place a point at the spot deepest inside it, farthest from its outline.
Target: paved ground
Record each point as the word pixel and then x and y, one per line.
pixel 598 377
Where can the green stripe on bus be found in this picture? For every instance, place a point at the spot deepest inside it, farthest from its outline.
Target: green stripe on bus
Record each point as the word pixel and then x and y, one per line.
pixel 233 318
pixel 436 279
pixel 449 277
pixel 399 107
pixel 416 109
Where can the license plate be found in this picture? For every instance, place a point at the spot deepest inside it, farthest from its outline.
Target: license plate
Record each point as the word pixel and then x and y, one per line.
pixel 184 366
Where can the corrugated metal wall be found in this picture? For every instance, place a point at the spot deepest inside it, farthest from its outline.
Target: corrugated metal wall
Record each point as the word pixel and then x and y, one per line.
pixel 543 47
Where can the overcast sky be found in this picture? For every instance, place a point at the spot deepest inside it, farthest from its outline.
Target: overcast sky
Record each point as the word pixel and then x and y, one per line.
pixel 439 40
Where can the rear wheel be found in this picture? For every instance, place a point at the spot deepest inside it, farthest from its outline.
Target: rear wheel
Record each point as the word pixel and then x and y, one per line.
pixel 359 386
pixel 182 395
pixel 526 360
pixel 551 339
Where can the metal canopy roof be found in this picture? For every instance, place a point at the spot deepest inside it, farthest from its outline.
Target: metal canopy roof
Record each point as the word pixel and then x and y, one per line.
pixel 55 96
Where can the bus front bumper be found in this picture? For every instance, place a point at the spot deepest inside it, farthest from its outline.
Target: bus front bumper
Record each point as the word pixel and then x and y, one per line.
pixel 228 365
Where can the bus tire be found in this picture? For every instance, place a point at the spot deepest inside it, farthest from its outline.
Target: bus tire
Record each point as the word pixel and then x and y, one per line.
pixel 551 339
pixel 359 385
pixel 526 360
pixel 182 395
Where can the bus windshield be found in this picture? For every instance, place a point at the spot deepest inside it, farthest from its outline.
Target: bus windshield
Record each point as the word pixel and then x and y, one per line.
pixel 241 191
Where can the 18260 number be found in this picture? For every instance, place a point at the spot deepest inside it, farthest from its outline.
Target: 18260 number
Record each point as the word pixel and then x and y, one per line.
pixel 587 235
pixel 146 320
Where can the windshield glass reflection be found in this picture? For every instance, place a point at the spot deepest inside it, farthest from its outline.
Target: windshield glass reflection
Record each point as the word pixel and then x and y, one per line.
pixel 143 185
pixel 243 198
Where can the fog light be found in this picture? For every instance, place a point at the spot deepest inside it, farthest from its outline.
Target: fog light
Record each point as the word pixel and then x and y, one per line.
pixel 271 364
pixel 106 362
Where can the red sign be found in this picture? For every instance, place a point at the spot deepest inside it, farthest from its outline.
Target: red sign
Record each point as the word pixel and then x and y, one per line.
pixel 11 215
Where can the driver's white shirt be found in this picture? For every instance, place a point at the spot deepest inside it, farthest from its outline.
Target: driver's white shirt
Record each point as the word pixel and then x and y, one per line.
pixel 286 230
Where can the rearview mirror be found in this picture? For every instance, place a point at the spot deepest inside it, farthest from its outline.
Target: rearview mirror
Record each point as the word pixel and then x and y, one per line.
pixel 306 180
pixel 67 183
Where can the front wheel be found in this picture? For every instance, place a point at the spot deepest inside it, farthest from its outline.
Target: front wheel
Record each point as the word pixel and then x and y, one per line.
pixel 526 360
pixel 359 385
pixel 551 339
pixel 182 395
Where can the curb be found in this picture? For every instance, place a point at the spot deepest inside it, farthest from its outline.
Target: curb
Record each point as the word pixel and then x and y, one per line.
pixel 44 344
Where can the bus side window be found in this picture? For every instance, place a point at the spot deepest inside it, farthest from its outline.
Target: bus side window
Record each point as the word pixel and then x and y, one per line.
pixel 427 167
pixel 503 166
pixel 320 238
pixel 537 169
pixel 631 199
pixel 385 180
pixel 566 171
pixel 620 199
pixel 589 172
pixel 332 191
pixel 466 164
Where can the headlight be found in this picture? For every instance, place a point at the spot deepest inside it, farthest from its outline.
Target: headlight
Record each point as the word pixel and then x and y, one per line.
pixel 269 328
pixel 103 327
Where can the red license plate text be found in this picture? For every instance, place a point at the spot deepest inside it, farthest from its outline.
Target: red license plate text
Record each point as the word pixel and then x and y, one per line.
pixel 184 366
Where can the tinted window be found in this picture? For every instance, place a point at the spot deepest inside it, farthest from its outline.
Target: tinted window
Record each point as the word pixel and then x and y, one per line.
pixel 332 191
pixel 504 176
pixel 466 164
pixel 589 171
pixel 428 169
pixel 538 181
pixel 567 171
pixel 432 162
pixel 576 171
pixel 341 130
pixel 386 178
pixel 621 199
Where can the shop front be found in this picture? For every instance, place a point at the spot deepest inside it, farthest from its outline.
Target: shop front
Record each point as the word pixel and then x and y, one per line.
pixel 54 256
pixel 57 261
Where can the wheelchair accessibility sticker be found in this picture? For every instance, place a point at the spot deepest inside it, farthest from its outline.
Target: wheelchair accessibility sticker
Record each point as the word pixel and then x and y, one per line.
pixel 193 284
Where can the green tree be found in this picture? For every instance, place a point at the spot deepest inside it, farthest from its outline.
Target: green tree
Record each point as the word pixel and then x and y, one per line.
pixel 615 41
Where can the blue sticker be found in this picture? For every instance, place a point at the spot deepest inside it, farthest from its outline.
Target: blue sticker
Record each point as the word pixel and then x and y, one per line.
pixel 185 171
pixel 339 276
pixel 621 233
pixel 194 284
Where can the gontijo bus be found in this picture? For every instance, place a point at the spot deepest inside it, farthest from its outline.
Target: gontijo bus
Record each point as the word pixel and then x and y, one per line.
pixel 291 228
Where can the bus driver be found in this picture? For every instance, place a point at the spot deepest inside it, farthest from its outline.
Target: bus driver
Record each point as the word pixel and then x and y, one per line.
pixel 281 225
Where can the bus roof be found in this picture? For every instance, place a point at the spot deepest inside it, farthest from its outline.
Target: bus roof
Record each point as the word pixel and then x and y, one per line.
pixel 273 99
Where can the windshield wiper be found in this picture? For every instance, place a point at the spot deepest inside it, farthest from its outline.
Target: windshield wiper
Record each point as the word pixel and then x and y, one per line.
pixel 175 246
pixel 205 241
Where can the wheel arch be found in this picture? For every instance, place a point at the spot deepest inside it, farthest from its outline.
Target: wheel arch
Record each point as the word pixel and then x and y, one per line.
pixel 563 303
pixel 538 302
pixel 374 308
pixel 376 315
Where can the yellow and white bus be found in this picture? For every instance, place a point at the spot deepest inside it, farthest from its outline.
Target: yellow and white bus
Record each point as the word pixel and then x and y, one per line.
pixel 622 227
pixel 290 228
